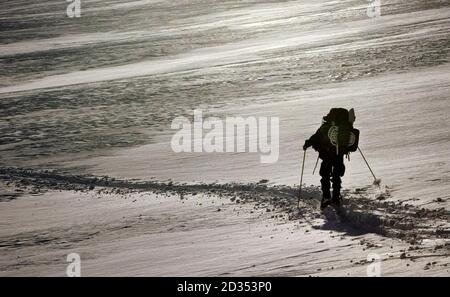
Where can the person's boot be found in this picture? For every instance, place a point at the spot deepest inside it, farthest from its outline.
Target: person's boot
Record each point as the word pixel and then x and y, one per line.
pixel 336 199
pixel 326 197
pixel 325 202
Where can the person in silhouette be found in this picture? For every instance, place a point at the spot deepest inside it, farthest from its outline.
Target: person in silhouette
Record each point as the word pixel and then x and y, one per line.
pixel 335 138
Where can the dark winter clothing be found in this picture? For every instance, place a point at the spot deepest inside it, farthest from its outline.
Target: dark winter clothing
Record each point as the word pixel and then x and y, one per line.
pixel 332 167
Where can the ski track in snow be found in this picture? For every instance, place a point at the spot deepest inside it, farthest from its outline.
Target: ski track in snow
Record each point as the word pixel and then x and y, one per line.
pixel 96 96
pixel 364 210
pixel 153 228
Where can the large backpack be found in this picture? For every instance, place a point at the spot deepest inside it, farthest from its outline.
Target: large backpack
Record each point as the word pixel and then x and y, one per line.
pixel 338 125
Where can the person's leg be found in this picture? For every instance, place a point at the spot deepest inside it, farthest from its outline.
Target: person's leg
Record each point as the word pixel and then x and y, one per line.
pixel 337 172
pixel 325 173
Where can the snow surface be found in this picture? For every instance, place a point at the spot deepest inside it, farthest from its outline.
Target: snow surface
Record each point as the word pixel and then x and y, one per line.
pixel 95 96
pixel 156 235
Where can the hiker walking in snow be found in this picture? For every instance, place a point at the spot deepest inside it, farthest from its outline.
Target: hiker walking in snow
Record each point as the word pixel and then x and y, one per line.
pixel 335 138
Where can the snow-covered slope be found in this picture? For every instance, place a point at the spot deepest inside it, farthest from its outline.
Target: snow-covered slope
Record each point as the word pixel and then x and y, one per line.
pixel 96 95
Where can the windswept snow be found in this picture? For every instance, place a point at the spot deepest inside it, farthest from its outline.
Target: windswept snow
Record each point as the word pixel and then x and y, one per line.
pixel 150 228
pixel 86 164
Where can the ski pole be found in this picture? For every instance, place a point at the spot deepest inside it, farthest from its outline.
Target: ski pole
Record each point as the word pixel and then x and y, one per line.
pixel 301 179
pixel 376 181
pixel 317 162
